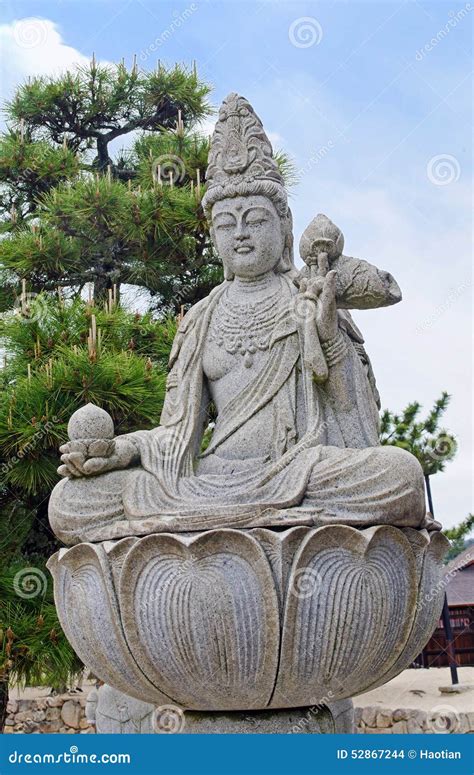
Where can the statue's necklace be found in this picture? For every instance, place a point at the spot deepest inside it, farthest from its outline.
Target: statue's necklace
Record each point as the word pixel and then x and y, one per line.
pixel 246 327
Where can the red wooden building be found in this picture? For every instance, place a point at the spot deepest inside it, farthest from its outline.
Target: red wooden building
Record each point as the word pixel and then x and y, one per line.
pixel 460 594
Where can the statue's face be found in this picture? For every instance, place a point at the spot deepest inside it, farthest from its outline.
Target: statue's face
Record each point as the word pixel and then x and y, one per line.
pixel 248 235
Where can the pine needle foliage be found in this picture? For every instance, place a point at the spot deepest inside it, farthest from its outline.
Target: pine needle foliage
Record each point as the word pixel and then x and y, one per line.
pixel 72 214
pixel 432 445
pixel 33 648
pixel 459 537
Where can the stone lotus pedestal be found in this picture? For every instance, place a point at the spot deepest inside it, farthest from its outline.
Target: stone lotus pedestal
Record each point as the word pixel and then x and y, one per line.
pixel 232 627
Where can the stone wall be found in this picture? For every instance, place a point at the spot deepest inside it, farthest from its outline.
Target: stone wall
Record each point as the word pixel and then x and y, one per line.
pixel 374 719
pixel 65 714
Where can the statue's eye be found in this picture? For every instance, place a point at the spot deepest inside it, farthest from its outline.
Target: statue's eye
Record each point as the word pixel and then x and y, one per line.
pixel 256 221
pixel 225 225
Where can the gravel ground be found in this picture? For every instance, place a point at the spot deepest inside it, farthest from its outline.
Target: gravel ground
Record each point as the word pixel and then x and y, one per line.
pixel 420 689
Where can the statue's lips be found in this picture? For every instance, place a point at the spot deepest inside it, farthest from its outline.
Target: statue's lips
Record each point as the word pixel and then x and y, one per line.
pixel 243 249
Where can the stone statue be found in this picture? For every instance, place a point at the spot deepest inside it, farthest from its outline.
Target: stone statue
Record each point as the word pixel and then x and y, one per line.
pixel 293 491
pixel 296 436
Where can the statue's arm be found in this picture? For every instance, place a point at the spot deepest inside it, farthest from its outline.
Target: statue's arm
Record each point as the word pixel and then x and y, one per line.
pixel 349 392
pixel 346 388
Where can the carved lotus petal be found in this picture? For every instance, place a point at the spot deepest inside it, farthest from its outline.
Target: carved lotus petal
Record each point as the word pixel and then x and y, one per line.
pixel 429 550
pixel 201 618
pixel 349 609
pixel 89 614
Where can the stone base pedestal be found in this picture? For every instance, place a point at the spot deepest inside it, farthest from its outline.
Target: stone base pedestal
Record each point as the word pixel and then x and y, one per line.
pixel 338 717
pixel 115 712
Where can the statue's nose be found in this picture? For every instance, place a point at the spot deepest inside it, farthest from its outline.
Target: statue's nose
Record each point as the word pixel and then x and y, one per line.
pixel 241 230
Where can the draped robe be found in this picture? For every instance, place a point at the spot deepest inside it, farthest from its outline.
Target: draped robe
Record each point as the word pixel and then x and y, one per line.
pixel 326 467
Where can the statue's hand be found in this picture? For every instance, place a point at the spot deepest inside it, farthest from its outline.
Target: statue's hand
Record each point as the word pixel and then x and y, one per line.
pixel 90 458
pixel 322 290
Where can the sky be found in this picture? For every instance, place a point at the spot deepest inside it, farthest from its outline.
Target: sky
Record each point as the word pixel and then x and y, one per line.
pixel 372 101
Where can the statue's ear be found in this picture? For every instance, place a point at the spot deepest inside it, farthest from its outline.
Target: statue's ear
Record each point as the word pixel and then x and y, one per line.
pixel 286 262
pixel 228 275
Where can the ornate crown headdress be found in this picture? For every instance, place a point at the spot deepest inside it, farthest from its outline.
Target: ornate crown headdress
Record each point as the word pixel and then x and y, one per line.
pixel 241 158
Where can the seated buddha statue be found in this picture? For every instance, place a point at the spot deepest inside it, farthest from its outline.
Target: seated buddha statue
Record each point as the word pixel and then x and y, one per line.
pixel 276 354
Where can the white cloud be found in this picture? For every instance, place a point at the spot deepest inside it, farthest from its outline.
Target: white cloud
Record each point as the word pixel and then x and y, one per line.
pixel 206 126
pixel 32 47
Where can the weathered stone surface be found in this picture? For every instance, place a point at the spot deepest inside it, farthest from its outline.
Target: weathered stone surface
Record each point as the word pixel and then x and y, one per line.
pixel 351 575
pixel 369 716
pixel 51 726
pixel 335 719
pixel 70 713
pixel 400 714
pixel 89 612
pixel 429 550
pixel 456 688
pixel 53 713
pixel 399 728
pixel 54 702
pixel 90 422
pixel 384 719
pixel 113 712
pixel 23 715
pixel 413 728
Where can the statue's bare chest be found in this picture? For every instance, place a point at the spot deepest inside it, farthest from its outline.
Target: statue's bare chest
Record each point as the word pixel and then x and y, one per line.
pixel 238 342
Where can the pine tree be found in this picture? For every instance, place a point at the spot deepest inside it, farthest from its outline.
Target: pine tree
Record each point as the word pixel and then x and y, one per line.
pixel 71 214
pixel 59 355
pixel 33 648
pixel 431 445
pixel 459 537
